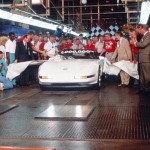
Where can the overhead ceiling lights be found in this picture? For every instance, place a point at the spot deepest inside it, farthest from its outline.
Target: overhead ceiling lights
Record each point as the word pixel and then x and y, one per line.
pixel 36 1
pixel 117 2
pixel 112 9
pixel 84 2
pixel 145 12
pixel 34 22
pixel 26 20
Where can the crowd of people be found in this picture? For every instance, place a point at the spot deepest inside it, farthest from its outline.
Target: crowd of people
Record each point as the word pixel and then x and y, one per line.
pixel 41 47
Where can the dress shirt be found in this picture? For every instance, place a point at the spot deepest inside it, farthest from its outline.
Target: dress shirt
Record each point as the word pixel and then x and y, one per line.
pixel 37 45
pixel 50 48
pixel 10 46
pixel 99 46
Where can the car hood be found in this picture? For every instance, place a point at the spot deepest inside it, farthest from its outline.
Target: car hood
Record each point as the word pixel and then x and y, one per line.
pixel 69 67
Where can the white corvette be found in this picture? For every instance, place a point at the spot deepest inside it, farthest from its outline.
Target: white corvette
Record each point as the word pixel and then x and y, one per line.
pixel 73 68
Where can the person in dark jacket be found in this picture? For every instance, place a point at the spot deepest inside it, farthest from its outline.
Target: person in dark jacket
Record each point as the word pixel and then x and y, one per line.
pixel 144 58
pixel 24 53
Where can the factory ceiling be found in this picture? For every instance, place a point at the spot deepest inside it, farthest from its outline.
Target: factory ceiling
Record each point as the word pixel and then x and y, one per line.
pixel 81 14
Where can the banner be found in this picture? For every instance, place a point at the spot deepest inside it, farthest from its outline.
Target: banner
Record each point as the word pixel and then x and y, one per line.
pixel 16 69
pixel 115 68
pixel 109 68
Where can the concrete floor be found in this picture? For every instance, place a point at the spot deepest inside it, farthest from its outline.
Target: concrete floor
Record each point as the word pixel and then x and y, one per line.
pixel 120 119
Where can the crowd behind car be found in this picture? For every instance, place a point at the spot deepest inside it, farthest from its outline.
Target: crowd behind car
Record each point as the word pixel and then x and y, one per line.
pixel 41 47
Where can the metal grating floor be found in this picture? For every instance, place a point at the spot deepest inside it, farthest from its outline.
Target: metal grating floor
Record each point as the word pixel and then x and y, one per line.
pixel 119 114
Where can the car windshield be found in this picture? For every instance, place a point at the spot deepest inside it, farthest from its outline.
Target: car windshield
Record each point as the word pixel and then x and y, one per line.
pixel 79 54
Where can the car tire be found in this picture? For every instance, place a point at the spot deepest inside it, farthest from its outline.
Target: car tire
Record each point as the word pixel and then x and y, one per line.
pixel 42 87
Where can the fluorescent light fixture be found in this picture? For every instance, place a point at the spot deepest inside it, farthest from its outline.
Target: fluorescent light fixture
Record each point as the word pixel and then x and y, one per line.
pixel 36 2
pixel 85 34
pixel 74 33
pixel 30 21
pixel 26 20
pixel 145 12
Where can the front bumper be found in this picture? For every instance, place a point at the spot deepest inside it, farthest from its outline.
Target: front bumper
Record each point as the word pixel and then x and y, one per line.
pixel 67 85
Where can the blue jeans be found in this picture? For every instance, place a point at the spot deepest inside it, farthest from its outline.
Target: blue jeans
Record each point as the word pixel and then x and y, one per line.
pixel 3 72
pixel 12 57
pixel 6 82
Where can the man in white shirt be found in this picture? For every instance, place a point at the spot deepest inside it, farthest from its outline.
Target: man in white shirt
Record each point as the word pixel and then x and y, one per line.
pixel 50 47
pixel 11 48
pixel 82 41
pixel 99 44
pixel 77 45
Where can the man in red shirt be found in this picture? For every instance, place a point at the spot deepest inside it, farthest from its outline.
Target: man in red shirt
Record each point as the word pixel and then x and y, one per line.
pixel 62 46
pixel 41 47
pixel 108 47
pixel 90 46
pixel 69 43
pixel 94 39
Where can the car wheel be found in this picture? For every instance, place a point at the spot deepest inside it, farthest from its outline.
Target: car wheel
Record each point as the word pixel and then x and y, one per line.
pixel 98 85
pixel 42 87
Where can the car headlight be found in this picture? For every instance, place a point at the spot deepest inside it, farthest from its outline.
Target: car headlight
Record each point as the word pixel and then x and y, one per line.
pixel 84 77
pixel 45 77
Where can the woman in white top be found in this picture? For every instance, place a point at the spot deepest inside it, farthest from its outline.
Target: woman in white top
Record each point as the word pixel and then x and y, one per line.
pixel 3 40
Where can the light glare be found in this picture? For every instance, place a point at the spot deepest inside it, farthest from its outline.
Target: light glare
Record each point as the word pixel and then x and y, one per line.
pixel 28 20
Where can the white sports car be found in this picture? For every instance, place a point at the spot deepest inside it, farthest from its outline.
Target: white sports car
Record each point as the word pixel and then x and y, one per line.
pixel 72 68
